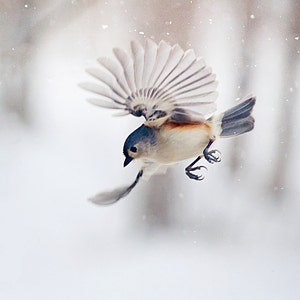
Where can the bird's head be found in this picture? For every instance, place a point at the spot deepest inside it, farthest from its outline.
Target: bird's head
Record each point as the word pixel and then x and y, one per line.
pixel 138 144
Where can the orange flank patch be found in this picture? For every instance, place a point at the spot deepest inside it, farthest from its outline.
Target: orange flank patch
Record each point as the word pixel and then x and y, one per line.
pixel 187 126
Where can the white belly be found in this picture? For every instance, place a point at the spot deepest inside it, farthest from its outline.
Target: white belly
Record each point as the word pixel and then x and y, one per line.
pixel 178 144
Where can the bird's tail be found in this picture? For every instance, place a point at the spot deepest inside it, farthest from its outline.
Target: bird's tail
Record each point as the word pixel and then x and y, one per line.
pixel 236 120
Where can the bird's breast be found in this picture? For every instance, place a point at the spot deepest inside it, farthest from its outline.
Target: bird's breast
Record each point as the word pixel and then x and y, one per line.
pixel 176 141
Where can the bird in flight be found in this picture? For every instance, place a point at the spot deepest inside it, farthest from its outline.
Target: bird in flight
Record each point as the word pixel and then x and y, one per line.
pixel 175 92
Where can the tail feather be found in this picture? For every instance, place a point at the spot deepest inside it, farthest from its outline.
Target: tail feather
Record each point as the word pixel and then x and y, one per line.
pixel 237 127
pixel 240 111
pixel 237 120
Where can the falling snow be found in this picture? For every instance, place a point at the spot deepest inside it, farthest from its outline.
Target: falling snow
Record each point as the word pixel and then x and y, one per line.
pixel 229 225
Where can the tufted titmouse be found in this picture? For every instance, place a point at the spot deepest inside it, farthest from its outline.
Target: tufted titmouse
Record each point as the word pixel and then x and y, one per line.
pixel 175 92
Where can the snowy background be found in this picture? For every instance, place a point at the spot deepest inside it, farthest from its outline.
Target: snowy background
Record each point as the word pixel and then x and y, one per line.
pixel 235 235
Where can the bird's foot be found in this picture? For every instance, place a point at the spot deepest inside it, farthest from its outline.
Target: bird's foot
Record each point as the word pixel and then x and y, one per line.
pixel 189 170
pixel 212 156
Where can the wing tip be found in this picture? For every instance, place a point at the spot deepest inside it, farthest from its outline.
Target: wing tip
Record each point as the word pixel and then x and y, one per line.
pixel 101 202
pixel 85 85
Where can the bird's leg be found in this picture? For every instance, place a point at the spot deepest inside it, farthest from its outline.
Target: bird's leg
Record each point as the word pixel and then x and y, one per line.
pixel 211 156
pixel 190 168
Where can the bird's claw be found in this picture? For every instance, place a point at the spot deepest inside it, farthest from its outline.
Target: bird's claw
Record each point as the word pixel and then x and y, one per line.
pixel 191 175
pixel 212 156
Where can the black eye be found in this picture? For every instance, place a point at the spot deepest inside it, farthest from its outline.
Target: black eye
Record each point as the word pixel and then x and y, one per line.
pixel 133 149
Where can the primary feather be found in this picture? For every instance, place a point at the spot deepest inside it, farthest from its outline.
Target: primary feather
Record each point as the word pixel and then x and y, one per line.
pixel 155 81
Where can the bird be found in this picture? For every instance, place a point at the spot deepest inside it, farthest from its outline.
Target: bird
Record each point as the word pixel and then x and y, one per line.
pixel 175 91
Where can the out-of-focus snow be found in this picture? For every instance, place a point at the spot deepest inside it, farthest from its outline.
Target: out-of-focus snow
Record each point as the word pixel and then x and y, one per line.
pixel 229 239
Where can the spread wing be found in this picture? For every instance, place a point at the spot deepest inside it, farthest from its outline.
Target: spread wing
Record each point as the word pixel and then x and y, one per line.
pixel 110 197
pixel 158 82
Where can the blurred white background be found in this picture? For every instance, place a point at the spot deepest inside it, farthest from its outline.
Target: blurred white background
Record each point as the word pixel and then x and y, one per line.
pixel 235 235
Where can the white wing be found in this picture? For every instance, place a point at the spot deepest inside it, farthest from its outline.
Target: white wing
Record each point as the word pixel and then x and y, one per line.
pixel 155 81
pixel 110 197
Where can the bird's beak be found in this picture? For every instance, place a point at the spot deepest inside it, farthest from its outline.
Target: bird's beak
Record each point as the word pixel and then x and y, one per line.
pixel 128 159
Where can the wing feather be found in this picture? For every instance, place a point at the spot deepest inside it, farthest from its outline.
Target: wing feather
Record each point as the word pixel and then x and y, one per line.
pixel 201 98
pixel 155 81
pixel 187 60
pixel 102 91
pixel 163 53
pixel 117 71
pixel 138 63
pixel 195 89
pixel 127 65
pixel 109 80
pixel 149 62
pixel 190 74
pixel 105 103
pixel 175 57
